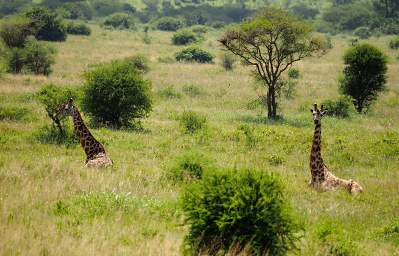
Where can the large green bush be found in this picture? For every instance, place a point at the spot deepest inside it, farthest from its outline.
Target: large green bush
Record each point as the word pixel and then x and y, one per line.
pixel 77 28
pixel 364 74
pixel 76 10
pixel 115 94
pixel 338 108
pixel 38 57
pixel 194 54
pixel 120 21
pixel 235 212
pixel 15 31
pixel 14 60
pixel 184 36
pixel 169 24
pixel 46 25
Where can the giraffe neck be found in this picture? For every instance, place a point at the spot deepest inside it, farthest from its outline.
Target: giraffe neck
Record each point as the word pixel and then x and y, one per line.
pixel 316 161
pixel 89 144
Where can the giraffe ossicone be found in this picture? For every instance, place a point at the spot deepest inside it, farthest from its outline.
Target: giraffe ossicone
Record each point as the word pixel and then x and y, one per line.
pixel 95 152
pixel 322 178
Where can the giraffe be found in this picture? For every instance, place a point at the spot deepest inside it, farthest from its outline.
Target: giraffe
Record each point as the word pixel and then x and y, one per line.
pixel 95 152
pixel 322 178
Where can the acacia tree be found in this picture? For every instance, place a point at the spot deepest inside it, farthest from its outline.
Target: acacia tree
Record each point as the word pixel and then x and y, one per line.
pixel 272 41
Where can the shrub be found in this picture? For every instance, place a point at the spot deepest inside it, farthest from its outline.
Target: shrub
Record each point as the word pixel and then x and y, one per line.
pixel 115 94
pixel 305 11
pixel 238 211
pixel 38 57
pixel 192 121
pixel 120 21
pixel 394 43
pixel 228 60
pixel 192 90
pixel 14 32
pixel 364 74
pixel 169 24
pixel 12 113
pixel 183 37
pixel 190 165
pixel 139 62
pixel 194 54
pixel 50 134
pixel 199 29
pixel 288 86
pixel 79 28
pixel 362 32
pixel 275 159
pixel 338 108
pixel 14 60
pixel 45 24
pixel 249 134
pixel 391 232
pixel 293 73
pixel 169 92
pixel 76 10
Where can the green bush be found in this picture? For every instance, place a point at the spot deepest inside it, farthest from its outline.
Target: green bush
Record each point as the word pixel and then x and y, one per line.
pixel 15 31
pixel 183 37
pixel 192 121
pixel 45 24
pixel 228 60
pixel 188 166
pixel 14 60
pixel 169 92
pixel 50 134
pixel 115 94
pixel 294 73
pixel 394 43
pixel 194 54
pixel 199 29
pixel 38 57
pixel 362 32
pixel 12 113
pixel 77 28
pixel 364 74
pixel 235 212
pixel 338 108
pixel 391 232
pixel 139 62
pixel 76 10
pixel 169 24
pixel 192 90
pixel 120 21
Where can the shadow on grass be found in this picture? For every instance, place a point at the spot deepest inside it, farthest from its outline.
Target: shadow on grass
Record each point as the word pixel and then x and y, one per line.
pixel 259 119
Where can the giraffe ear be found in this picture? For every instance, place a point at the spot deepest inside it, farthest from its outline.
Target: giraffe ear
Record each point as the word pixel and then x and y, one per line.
pixel 323 112
pixel 311 111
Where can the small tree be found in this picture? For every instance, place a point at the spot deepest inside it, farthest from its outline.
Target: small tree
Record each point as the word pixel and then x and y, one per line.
pixel 272 42
pixel 116 93
pixel 364 74
pixel 38 57
pixel 15 31
pixel 184 36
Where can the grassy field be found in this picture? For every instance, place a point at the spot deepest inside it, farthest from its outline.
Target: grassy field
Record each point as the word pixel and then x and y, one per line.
pixel 51 205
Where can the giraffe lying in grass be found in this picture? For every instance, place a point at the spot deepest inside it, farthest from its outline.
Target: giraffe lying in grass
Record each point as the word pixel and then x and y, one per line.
pixel 95 152
pixel 322 178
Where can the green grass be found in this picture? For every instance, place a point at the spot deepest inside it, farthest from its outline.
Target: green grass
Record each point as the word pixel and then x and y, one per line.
pixel 50 203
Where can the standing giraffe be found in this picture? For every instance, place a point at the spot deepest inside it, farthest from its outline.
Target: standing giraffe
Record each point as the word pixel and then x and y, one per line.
pixel 322 178
pixel 95 152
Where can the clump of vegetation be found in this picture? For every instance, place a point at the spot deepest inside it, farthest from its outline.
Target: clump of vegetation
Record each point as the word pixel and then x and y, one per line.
pixel 338 108
pixel 76 10
pixel 364 75
pixel 12 113
pixel 294 73
pixel 254 217
pixel 194 54
pixel 228 60
pixel 169 24
pixel 14 60
pixel 139 62
pixel 77 28
pixel 394 43
pixel 199 29
pixel 391 232
pixel 275 159
pixel 119 21
pixel 192 90
pixel 45 24
pixel 362 32
pixel 190 165
pixel 169 92
pixel 248 131
pixel 192 121
pixel 183 37
pixel 116 94
pixel 14 31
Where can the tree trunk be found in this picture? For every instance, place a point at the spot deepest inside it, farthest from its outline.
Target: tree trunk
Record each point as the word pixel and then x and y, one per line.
pixel 271 102
pixel 274 103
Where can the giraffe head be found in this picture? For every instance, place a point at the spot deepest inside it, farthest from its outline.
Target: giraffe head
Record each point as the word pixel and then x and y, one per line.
pixel 317 113
pixel 66 109
pixel 354 187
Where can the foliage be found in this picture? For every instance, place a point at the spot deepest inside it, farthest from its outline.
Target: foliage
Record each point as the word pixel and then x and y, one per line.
pixel 192 121
pixel 107 7
pixel 192 90
pixel 14 60
pixel 139 62
pixel 199 29
pixel 228 60
pixel 12 6
pixel 15 31
pixel 184 36
pixel 394 43
pixel 169 24
pixel 348 17
pixel 12 113
pixel 364 74
pixel 77 28
pixel 46 25
pixel 362 32
pixel 305 11
pixel 51 134
pixel 294 73
pixel 190 165
pixel 194 53
pixel 391 232
pixel 76 10
pixel 120 21
pixel 270 33
pixel 38 57
pixel 238 211
pixel 169 92
pixel 115 93
pixel 338 108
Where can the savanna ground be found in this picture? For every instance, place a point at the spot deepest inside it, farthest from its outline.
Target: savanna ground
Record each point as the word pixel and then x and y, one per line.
pixel 51 205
